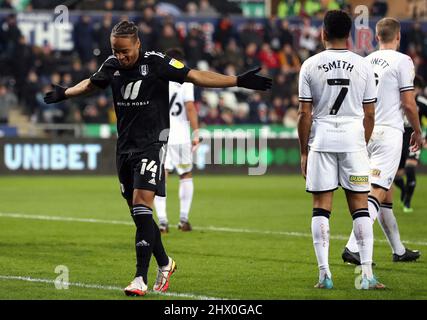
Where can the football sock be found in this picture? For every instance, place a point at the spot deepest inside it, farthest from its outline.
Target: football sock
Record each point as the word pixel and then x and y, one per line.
pixel 373 208
pixel 158 249
pixel 400 183
pixel 160 205
pixel 186 190
pixel 364 234
pixel 320 233
pixel 144 238
pixel 410 185
pixel 388 223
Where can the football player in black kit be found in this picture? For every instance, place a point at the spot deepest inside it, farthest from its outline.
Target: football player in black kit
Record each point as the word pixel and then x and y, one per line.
pixel 140 86
pixel 409 159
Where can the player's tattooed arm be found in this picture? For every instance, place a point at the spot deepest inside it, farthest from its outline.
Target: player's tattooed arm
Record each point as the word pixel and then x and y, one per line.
pixel 369 120
pixel 304 127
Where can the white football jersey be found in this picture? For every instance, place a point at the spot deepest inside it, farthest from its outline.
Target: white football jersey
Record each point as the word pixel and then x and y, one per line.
pixel 394 73
pixel 179 94
pixel 337 82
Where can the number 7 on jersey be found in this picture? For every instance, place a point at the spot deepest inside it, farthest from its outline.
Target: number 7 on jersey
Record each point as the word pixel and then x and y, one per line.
pixel 341 96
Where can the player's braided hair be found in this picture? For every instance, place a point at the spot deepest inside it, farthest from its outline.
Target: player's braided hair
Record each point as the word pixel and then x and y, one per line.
pixel 125 29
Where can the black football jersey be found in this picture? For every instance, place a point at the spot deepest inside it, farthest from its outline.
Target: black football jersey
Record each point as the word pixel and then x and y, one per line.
pixel 141 98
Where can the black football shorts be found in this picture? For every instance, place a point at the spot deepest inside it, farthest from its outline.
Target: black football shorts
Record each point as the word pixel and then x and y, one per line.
pixel 142 170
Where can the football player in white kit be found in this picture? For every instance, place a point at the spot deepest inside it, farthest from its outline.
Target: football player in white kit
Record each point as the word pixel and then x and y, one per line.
pixel 394 74
pixel 183 115
pixel 336 117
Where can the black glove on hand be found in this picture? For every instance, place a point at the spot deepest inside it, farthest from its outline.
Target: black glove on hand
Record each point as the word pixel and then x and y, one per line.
pixel 57 95
pixel 250 80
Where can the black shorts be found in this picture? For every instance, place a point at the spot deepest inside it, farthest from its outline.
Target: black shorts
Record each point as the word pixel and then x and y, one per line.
pixel 405 147
pixel 142 170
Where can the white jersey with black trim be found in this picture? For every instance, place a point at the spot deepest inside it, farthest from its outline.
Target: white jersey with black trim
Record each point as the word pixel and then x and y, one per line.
pixel 338 83
pixel 394 73
pixel 179 94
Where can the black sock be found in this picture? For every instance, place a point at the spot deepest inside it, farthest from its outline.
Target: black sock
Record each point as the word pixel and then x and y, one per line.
pixel 410 185
pixel 158 249
pixel 398 181
pixel 144 238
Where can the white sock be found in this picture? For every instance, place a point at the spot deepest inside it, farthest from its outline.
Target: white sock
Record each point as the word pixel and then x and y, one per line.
pixel 388 223
pixel 320 233
pixel 160 205
pixel 186 190
pixel 352 243
pixel 373 208
pixel 364 234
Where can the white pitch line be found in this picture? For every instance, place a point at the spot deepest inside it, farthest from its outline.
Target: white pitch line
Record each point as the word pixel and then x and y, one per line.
pixel 102 287
pixel 208 228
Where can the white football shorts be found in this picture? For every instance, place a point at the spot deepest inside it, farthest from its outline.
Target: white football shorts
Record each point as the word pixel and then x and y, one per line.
pixel 384 149
pixel 179 157
pixel 328 170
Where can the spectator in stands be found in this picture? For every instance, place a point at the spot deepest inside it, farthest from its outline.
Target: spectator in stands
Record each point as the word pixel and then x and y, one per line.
pixel 31 88
pixel 83 38
pixel 192 9
pixel 149 29
pixel 379 8
pixel 269 58
pixel 169 39
pixel 97 111
pixel 250 34
pixel 8 100
pixel 205 8
pixel 309 38
pixel 233 55
pixel 223 32
pixel 286 36
pixel 213 117
pixel 251 57
pixel 6 4
pixel 102 37
pixel 194 45
pixel 289 61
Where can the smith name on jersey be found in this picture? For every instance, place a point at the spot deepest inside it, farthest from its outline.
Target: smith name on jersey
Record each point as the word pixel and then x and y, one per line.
pixel 338 83
pixel 141 98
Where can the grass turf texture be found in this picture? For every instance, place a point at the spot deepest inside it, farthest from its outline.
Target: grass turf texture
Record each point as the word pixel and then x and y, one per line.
pixel 264 260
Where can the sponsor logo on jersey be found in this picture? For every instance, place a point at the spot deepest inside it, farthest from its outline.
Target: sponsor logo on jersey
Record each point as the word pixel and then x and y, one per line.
pixel 176 64
pixel 117 73
pixel 375 172
pixel 143 69
pixel 359 179
pixel 131 90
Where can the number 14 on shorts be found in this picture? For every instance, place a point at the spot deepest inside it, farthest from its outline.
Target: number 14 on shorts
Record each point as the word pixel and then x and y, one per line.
pixel 151 167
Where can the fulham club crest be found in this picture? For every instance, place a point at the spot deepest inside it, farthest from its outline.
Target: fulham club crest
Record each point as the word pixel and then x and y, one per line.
pixel 143 69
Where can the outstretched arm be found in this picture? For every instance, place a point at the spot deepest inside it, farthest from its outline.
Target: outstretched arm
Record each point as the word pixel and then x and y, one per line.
pixel 249 80
pixel 60 93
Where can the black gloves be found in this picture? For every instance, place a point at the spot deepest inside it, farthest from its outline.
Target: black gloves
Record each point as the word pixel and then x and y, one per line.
pixel 57 95
pixel 250 80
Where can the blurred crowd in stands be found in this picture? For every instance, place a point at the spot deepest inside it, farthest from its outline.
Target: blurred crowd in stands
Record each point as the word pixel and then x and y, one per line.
pixel 276 44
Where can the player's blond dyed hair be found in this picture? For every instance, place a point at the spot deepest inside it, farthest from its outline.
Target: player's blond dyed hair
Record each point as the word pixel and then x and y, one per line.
pixel 387 29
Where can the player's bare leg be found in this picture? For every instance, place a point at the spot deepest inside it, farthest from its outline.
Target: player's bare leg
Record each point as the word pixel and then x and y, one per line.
pixel 322 206
pixel 186 190
pixel 160 205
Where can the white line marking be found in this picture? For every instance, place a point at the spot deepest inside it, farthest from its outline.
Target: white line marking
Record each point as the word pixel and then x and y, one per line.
pixel 102 287
pixel 207 228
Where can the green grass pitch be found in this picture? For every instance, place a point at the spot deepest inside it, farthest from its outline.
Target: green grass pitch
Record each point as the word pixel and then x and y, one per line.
pixel 251 241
